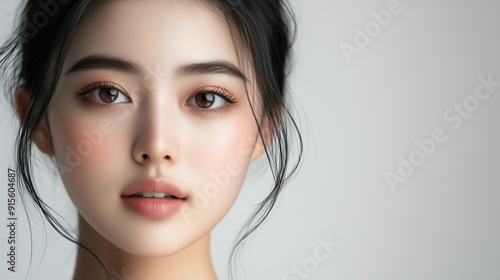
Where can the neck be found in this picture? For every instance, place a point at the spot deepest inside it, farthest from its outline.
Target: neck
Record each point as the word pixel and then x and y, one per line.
pixel 191 263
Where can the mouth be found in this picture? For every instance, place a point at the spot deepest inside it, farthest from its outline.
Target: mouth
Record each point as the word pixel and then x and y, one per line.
pixel 154 188
pixel 153 198
pixel 158 195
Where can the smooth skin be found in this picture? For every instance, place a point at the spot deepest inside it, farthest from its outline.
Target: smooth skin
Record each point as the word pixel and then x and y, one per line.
pixel 150 125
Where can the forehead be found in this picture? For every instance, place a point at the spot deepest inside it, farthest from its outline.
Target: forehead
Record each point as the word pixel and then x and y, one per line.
pixel 154 33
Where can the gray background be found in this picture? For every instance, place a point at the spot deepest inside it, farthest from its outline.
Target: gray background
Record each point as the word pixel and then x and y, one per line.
pixel 358 118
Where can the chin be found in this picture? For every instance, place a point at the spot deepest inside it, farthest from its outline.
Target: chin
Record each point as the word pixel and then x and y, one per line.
pixel 154 241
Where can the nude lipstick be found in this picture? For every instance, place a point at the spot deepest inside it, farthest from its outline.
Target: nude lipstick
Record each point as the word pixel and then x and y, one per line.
pixel 153 198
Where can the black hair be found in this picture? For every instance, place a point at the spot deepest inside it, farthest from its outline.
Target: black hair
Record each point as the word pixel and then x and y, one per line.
pixel 263 32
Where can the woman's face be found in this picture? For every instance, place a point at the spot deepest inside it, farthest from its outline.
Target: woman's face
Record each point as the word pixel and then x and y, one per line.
pixel 153 89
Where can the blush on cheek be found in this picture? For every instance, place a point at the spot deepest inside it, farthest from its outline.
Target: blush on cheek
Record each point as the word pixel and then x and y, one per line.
pixel 79 144
pixel 210 152
pixel 225 140
pixel 220 162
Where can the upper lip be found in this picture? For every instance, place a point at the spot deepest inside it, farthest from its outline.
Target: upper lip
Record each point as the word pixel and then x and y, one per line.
pixel 154 185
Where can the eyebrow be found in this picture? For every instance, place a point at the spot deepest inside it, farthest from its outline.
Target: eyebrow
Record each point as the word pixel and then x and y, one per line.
pixel 97 62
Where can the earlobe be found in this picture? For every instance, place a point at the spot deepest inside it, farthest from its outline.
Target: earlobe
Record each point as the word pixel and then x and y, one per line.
pixel 42 136
pixel 43 140
pixel 21 99
pixel 261 143
pixel 258 149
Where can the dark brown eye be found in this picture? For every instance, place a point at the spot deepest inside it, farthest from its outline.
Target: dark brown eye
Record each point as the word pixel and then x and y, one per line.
pixel 205 100
pixel 210 99
pixel 108 95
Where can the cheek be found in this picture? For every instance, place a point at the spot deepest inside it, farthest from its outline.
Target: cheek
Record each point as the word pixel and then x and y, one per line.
pixel 219 156
pixel 215 147
pixel 87 155
pixel 217 142
pixel 79 144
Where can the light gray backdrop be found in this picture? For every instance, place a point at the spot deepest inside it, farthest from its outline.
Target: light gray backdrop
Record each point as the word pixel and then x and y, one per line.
pixel 402 171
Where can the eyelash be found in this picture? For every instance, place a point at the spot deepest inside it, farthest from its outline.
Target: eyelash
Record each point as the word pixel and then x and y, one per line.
pixel 85 90
pixel 228 97
pixel 222 93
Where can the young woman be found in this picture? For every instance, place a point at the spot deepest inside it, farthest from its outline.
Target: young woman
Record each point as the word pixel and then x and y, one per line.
pixel 152 112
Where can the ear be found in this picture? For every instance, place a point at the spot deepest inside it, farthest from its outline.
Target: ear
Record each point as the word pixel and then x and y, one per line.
pixel 262 142
pixel 258 149
pixel 42 136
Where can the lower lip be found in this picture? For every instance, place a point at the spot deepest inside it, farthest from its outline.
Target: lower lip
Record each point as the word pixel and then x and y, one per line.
pixel 153 207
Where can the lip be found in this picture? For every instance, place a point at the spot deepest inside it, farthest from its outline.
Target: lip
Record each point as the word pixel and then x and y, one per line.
pixel 153 207
pixel 158 185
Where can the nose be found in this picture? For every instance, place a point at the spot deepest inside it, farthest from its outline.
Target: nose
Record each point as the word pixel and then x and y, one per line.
pixel 156 133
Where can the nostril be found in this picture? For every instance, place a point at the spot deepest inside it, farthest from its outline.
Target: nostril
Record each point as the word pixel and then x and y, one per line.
pixel 146 156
